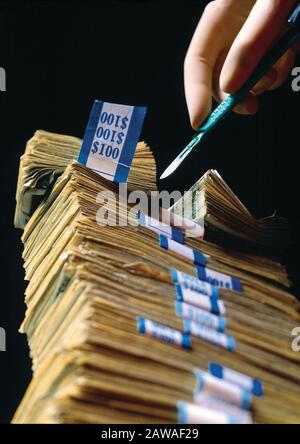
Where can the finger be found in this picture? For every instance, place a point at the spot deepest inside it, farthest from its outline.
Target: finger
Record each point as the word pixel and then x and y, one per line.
pixel 218 94
pixel 266 22
pixel 283 69
pixel 265 83
pixel 198 67
pixel 249 106
pixel 198 89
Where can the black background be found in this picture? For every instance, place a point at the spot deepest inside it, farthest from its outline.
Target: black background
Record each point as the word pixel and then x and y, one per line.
pixel 60 56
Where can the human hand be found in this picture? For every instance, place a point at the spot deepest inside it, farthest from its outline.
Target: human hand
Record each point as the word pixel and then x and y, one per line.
pixel 229 42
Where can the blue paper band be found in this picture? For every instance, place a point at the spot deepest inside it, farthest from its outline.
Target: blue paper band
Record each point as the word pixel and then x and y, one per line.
pixel 200 379
pixel 205 321
pixel 160 228
pixel 110 139
pixel 174 275
pixel 214 306
pixel 164 333
pixel 163 242
pixel 218 279
pixel 193 283
pixel 211 335
pixel 201 273
pixel 237 285
pixel 199 257
pixel 183 250
pixel 178 236
pixel 129 147
pixel 258 388
pixel 216 370
pixel 179 292
pixel 246 399
pixel 222 325
pixel 231 344
pixel 186 340
pixel 141 324
pixel 186 323
pixel 222 389
pixel 249 384
pixel 191 414
pixel 178 308
pixel 182 413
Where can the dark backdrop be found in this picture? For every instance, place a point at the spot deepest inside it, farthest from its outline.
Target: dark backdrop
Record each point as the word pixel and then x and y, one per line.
pixel 59 57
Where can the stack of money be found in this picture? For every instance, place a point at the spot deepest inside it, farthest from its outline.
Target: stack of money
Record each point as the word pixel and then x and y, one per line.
pixel 140 323
pixel 227 220
pixel 45 159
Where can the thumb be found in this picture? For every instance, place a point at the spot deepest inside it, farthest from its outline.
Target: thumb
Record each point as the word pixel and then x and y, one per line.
pixel 265 24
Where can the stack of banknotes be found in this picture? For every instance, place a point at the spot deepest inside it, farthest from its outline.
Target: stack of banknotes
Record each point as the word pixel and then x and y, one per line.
pixel 140 322
pixel 228 221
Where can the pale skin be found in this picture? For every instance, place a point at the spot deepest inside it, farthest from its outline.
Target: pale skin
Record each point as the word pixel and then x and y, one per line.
pixel 230 40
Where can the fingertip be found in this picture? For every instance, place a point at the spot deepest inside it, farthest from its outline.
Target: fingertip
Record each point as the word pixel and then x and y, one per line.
pixel 228 85
pixel 265 82
pixel 197 119
pixel 195 123
pixel 199 109
pixel 232 76
pixel 249 106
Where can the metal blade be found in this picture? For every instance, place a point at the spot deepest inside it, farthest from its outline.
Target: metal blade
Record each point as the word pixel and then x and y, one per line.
pixel 180 158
